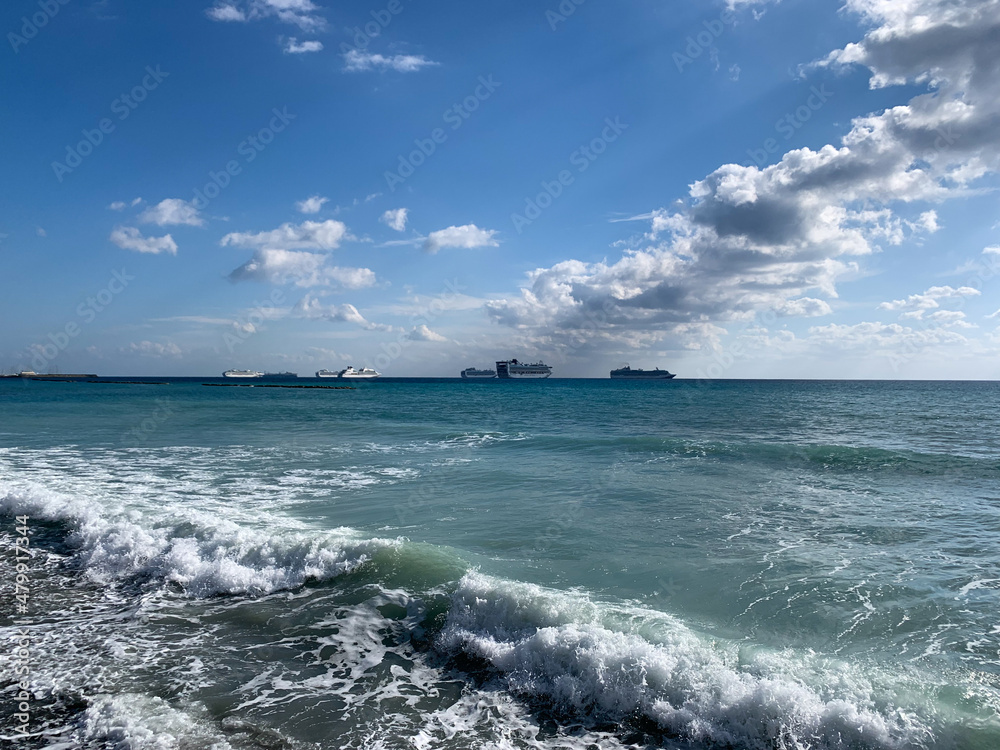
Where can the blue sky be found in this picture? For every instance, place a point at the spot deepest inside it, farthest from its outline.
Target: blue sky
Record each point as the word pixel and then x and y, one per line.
pixel 751 189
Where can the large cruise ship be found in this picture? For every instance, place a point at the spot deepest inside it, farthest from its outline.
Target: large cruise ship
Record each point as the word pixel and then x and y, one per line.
pixel 280 375
pixel 627 373
pixel 365 373
pixel 242 374
pixel 512 369
pixel 471 373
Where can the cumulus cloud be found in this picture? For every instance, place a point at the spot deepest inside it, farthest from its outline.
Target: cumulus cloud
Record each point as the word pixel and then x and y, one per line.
pixel 929 300
pixel 356 61
pixel 466 236
pixel 312 308
pixel 876 336
pixel 423 333
pixel 172 211
pixel 130 238
pixel 748 239
pixel 293 46
pixel 304 269
pixel 319 235
pixel 225 12
pixel 804 307
pixel 395 218
pixel 311 205
pixel 301 13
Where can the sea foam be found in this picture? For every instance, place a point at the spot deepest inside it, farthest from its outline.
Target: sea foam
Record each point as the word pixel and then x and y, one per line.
pixel 197 550
pixel 585 659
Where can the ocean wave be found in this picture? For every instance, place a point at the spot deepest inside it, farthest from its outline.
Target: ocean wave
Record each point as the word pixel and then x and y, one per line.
pixel 825 457
pixel 199 551
pixel 615 665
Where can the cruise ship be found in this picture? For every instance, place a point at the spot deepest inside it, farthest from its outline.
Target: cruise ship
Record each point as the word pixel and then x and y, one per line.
pixel 627 373
pixel 471 373
pixel 365 373
pixel 280 375
pixel 512 369
pixel 242 374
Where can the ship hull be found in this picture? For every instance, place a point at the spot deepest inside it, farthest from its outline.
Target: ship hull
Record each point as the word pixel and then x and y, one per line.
pixel 649 376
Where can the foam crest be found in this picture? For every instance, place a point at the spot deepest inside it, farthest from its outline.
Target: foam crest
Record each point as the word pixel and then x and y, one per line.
pixel 197 550
pixel 140 722
pixel 565 649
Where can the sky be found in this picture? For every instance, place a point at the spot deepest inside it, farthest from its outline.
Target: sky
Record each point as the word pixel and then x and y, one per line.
pixel 741 189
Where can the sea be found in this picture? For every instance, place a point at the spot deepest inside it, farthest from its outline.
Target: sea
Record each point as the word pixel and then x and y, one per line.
pixel 425 564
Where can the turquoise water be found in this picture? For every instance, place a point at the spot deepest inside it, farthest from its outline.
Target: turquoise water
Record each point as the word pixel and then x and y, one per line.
pixel 539 564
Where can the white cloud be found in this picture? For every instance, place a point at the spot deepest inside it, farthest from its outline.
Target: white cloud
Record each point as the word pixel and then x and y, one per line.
pixel 311 307
pixel 929 300
pixel 748 239
pixel 321 235
pixel 122 205
pixel 152 349
pixel 805 307
pixel 466 236
pixel 41 232
pixel 875 336
pixel 226 12
pixel 304 269
pixel 130 238
pixel 423 333
pixel 395 218
pixel 311 205
pixel 292 46
pixel 172 211
pixel 357 60
pixel 301 13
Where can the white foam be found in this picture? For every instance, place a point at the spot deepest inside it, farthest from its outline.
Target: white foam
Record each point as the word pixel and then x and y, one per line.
pixel 202 552
pixel 611 664
pixel 139 722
